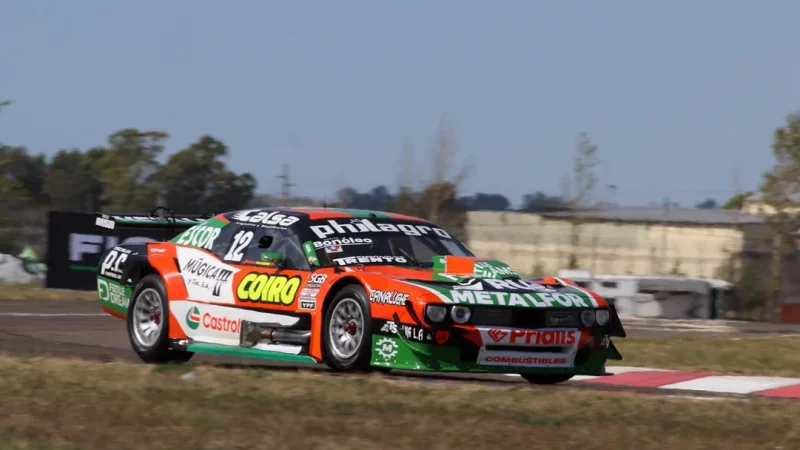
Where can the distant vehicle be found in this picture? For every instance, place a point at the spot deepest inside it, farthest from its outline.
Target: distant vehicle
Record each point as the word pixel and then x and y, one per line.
pixel 663 296
pixel 356 290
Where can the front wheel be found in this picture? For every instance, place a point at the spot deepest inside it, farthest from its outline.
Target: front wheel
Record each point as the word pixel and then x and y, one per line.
pixel 545 379
pixel 347 331
pixel 148 323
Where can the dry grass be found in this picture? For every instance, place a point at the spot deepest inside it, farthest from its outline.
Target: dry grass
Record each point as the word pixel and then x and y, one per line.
pixel 37 292
pixel 63 404
pixel 778 355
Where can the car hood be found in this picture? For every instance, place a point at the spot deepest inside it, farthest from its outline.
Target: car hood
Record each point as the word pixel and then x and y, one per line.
pixel 485 281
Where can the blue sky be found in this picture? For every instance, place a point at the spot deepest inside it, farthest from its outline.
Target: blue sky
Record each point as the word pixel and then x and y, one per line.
pixel 677 95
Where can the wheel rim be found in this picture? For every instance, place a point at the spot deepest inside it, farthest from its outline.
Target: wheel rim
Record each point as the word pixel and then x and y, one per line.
pixel 346 328
pixel 148 320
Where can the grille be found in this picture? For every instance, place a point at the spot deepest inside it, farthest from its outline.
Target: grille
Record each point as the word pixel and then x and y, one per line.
pixel 524 317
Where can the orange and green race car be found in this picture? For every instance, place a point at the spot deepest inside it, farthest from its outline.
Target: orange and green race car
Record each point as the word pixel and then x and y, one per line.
pixel 356 290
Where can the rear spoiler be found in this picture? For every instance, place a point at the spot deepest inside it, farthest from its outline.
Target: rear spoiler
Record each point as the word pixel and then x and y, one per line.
pixel 174 223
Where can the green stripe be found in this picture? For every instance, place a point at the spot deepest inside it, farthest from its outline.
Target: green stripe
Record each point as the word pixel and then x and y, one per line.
pixel 82 268
pixel 227 350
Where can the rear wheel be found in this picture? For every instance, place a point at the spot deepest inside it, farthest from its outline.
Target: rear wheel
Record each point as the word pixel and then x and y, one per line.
pixel 347 331
pixel 148 323
pixel 545 379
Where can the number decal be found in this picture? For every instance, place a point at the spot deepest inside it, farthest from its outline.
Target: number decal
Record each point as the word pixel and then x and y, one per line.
pixel 240 241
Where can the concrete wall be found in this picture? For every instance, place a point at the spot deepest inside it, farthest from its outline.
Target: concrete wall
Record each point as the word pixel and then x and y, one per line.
pixel 534 245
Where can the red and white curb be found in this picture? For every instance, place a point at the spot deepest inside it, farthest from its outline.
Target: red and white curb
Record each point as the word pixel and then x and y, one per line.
pixel 641 377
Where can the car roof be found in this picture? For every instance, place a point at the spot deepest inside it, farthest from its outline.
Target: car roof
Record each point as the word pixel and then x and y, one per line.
pixel 317 213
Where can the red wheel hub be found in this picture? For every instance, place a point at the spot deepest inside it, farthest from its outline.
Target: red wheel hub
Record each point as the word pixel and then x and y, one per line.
pixel 351 328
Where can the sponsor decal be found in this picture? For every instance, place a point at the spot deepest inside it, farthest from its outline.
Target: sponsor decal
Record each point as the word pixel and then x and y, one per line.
pixel 221 323
pixel 218 324
pixel 206 278
pixel 311 253
pixel 355 226
pixel 497 335
pixel 206 275
pixel 388 297
pixel 211 322
pixel 441 336
pixel 492 269
pixel 338 242
pixel 478 284
pixel 532 338
pixel 333 249
pixel 527 300
pixel 348 260
pixel 308 303
pixel 113 293
pixel 193 318
pixel 411 332
pixel 104 222
pixel 113 263
pixel 306 292
pixel 260 287
pixel 265 219
pixel 524 361
pixel 386 348
pixel 200 236
pixel 316 280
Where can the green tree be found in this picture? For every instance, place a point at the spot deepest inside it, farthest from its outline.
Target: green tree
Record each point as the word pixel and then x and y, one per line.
pixel 437 199
pixel 128 168
pixel 29 170
pixel 73 182
pixel 707 204
pixel 580 190
pixel 196 180
pixel 781 190
pixel 737 201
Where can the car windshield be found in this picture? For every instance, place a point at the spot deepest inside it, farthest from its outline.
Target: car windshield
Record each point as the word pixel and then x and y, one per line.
pixel 381 241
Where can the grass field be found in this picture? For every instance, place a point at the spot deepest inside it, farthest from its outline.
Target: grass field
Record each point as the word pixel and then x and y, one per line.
pixel 778 355
pixel 61 404
pixel 37 292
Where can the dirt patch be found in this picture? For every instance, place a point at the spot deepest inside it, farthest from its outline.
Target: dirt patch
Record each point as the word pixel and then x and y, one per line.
pixel 778 356
pixel 51 403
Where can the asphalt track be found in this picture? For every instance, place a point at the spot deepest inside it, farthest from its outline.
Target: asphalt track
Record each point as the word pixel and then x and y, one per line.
pixel 79 329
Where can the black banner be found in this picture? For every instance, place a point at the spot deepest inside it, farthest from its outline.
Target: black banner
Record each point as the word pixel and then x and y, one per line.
pixel 74 247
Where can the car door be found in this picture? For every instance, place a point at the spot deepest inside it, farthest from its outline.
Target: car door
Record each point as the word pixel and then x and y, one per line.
pixel 273 268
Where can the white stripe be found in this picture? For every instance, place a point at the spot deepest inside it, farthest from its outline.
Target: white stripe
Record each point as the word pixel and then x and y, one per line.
pixel 591 297
pixel 733 384
pixel 442 297
pixel 21 314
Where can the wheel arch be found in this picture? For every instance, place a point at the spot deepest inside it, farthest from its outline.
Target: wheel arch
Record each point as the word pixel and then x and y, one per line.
pixel 337 286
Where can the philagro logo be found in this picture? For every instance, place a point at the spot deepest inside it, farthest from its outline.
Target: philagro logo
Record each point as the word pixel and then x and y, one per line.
pixel 193 318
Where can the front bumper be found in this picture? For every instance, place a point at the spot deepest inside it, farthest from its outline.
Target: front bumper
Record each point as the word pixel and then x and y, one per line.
pixel 406 347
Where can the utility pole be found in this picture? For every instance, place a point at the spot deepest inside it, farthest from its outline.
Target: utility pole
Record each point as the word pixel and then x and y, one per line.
pixel 286 184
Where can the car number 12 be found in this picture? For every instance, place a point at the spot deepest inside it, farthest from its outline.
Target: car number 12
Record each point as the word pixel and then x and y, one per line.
pixel 240 241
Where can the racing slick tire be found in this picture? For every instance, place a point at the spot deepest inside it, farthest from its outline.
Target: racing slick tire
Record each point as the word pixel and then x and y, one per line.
pixel 148 323
pixel 347 331
pixel 545 379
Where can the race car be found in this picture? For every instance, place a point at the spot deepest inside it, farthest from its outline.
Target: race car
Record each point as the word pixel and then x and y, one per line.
pixel 356 290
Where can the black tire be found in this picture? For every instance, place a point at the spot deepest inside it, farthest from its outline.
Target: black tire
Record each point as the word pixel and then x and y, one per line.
pixel 159 352
pixel 545 379
pixel 359 361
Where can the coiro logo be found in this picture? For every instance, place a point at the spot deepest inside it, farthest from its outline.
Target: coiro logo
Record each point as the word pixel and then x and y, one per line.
pixel 193 318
